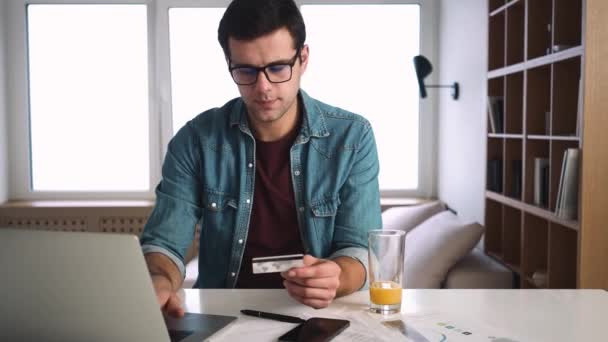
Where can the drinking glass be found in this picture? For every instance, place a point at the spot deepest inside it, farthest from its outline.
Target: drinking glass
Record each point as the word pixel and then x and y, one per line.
pixel 386 254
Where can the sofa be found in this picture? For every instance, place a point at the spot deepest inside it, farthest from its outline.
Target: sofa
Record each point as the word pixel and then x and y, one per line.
pixel 442 251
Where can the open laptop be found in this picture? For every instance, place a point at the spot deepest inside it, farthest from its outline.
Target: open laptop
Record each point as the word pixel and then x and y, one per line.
pixel 69 286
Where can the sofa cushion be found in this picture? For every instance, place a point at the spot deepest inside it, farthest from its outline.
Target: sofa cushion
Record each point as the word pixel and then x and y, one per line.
pixel 406 218
pixel 191 274
pixel 434 246
pixel 478 271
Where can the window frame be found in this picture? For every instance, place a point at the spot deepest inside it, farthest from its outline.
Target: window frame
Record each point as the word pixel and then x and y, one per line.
pixel 19 109
pixel 428 128
pixel 160 108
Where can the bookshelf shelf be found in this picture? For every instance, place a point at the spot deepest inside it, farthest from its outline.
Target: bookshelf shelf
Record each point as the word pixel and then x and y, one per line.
pixel 505 136
pixel 529 208
pixel 534 115
pixel 499 6
pixel 555 57
pixel 552 137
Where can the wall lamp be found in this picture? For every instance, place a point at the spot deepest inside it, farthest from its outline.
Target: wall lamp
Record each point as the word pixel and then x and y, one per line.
pixel 423 69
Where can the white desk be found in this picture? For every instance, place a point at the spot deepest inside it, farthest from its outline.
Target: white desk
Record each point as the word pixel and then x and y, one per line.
pixel 521 315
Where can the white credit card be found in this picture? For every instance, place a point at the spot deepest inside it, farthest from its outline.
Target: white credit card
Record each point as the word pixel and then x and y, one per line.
pixel 278 263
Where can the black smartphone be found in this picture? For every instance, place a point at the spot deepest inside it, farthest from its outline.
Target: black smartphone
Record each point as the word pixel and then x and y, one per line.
pixel 315 329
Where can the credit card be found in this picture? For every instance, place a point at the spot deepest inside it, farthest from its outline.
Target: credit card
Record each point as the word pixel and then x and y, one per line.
pixel 278 263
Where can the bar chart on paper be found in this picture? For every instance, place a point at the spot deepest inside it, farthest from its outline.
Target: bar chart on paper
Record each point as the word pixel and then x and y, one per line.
pixel 439 328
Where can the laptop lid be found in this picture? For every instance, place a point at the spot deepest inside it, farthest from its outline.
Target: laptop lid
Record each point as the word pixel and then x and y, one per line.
pixel 72 286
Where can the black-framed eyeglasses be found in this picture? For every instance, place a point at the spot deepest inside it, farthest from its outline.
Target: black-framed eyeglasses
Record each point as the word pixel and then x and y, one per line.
pixel 276 72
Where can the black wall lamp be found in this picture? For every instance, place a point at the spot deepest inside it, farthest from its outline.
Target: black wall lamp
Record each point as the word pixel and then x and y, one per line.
pixel 423 69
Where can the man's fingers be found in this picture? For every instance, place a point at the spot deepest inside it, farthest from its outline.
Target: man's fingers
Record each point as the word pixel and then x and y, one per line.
pixel 162 297
pixel 173 307
pixel 309 260
pixel 321 283
pixel 315 284
pixel 322 269
pixel 310 292
pixel 315 303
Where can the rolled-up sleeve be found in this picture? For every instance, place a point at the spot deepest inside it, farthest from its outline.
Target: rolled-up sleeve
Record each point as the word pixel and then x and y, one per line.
pixel 359 210
pixel 171 226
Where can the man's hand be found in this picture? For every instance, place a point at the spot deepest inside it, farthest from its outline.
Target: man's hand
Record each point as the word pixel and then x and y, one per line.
pixel 167 299
pixel 315 284
pixel 166 280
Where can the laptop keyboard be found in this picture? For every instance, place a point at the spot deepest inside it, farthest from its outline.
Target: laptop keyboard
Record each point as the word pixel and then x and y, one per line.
pixel 178 335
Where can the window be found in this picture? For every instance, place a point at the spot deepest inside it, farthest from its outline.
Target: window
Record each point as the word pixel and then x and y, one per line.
pixel 101 86
pixel 368 69
pixel 199 74
pixel 88 91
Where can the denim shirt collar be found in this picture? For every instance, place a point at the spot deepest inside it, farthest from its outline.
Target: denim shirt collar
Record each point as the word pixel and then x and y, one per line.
pixel 313 122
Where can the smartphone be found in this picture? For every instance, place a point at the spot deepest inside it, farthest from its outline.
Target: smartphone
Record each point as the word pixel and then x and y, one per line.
pixel 316 329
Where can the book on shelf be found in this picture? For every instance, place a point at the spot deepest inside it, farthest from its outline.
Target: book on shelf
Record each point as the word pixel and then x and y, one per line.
pixel 541 182
pixel 579 109
pixel 558 200
pixel 516 169
pixel 566 206
pixel 495 175
pixel 495 114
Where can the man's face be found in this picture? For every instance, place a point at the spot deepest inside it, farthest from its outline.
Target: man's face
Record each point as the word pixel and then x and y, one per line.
pixel 268 102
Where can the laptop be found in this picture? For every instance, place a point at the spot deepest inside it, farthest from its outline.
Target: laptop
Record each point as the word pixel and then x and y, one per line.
pixel 73 286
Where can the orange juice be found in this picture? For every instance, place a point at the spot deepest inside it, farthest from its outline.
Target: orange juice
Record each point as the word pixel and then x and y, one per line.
pixel 385 292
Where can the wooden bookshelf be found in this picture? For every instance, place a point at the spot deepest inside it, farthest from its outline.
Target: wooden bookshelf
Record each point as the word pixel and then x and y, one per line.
pixel 592 269
pixel 536 54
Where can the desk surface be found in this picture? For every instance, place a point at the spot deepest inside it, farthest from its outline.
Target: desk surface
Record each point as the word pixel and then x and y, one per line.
pixel 513 315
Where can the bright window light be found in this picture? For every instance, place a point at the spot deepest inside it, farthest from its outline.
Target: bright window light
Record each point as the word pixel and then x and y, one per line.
pixel 199 73
pixel 88 73
pixel 363 63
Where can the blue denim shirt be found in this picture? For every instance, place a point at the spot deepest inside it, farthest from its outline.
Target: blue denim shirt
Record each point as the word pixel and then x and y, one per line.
pixel 208 177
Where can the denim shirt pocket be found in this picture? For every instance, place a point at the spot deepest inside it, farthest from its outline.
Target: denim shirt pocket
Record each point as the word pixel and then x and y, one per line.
pixel 325 207
pixel 217 201
pixel 217 223
pixel 323 217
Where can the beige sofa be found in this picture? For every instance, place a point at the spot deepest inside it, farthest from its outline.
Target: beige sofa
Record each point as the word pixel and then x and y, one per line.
pixel 442 251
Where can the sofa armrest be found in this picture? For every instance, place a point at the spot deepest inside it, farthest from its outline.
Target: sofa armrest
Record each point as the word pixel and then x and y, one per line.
pixel 478 271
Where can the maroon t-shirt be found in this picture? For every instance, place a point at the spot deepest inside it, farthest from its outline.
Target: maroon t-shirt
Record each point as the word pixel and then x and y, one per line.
pixel 273 227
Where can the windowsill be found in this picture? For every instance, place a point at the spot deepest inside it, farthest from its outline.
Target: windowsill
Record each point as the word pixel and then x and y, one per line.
pixel 384 202
pixel 403 201
pixel 79 204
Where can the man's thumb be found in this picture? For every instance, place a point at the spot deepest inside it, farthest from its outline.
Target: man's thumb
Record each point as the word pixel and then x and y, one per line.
pixel 309 260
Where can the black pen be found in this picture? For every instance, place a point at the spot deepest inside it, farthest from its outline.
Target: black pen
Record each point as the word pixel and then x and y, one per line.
pixel 273 316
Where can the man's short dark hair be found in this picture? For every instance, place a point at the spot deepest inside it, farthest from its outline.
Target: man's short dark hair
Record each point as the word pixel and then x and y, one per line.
pixel 251 19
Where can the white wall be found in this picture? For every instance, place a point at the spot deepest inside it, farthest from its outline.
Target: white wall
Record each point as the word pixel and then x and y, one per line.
pixel 462 123
pixel 3 118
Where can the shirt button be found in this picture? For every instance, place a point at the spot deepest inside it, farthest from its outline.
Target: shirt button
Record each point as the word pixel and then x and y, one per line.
pixel 241 241
pixel 297 173
pixel 214 204
pixel 301 209
pixel 233 274
pixel 250 165
pixel 248 201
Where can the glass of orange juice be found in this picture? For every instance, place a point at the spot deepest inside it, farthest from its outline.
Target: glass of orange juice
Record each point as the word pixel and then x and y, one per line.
pixel 386 253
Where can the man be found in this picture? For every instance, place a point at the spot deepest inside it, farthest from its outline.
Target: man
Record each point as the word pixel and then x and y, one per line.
pixel 273 172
